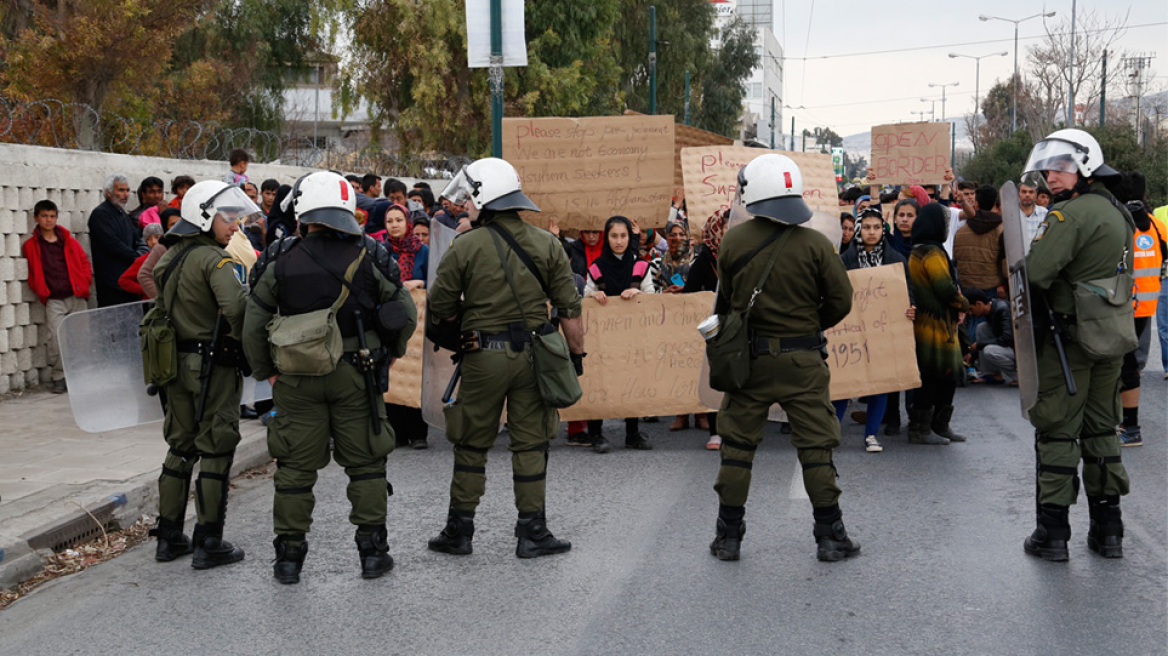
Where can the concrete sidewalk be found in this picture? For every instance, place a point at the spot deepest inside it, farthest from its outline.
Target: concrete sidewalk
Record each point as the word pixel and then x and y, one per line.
pixel 52 472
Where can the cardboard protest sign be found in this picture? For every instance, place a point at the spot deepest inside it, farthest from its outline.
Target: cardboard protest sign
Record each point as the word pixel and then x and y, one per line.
pixel 405 376
pixel 687 136
pixel 873 349
pixel 644 356
pixel 711 180
pixel 910 153
pixel 581 171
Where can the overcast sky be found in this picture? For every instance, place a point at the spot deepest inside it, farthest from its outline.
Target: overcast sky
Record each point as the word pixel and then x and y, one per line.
pixel 850 94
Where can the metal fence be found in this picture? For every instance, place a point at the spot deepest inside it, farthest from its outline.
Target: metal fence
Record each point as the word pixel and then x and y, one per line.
pixel 57 124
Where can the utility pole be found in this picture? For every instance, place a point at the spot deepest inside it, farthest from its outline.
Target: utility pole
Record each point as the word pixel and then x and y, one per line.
pixel 792 133
pixel 773 123
pixel 947 84
pixel 1071 75
pixel 652 59
pixel 496 78
pixel 1137 65
pixel 1103 94
pixel 687 97
pixel 1017 80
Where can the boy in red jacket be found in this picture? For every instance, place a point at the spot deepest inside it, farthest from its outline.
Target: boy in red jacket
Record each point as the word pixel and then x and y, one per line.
pixel 59 274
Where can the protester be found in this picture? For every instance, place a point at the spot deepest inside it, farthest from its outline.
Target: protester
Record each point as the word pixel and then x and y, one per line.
pixel 412 255
pixel 59 275
pixel 1042 198
pixel 618 271
pixel 703 277
pixel 872 248
pixel 114 242
pixel 239 160
pixel 978 250
pixel 674 265
pixel 422 230
pixel 848 224
pixel 964 193
pixel 995 339
pixel 129 279
pixel 940 306
pixel 268 191
pixel 280 222
pixel 425 197
pixel 582 253
pixel 903 217
pixel 370 191
pixel 170 216
pixel 1032 213
pixel 395 191
pixel 178 187
pixel 150 195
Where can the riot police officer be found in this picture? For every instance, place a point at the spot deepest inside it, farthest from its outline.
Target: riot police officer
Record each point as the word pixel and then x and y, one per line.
pixel 1086 237
pixel 488 298
pixel 325 316
pixel 198 287
pixel 796 287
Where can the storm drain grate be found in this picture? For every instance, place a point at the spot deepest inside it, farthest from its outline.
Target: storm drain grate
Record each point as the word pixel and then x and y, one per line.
pixel 77 528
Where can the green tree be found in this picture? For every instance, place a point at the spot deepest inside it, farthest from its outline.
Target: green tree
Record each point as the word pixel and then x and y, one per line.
pixel 723 86
pixel 684 30
pixel 1000 161
pixel 570 68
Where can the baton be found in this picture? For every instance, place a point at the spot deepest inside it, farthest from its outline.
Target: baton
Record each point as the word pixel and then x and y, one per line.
pixel 449 394
pixel 1056 329
pixel 207 367
pixel 370 381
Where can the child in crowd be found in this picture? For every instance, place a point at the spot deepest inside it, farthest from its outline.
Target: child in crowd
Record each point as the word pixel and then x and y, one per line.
pixel 238 159
pixel 59 274
pixel 179 187
pixel 151 233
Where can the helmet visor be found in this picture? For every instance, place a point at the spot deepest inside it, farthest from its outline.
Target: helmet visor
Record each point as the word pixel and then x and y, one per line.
pixel 459 190
pixel 231 204
pixel 1056 155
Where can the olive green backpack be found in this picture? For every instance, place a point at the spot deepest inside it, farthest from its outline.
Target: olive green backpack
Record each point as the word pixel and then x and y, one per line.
pixel 159 341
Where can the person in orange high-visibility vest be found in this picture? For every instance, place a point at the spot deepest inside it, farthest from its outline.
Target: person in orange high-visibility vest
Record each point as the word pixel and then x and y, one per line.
pixel 1149 249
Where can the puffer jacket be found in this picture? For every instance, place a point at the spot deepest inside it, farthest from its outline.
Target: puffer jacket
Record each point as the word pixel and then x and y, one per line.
pixel 979 252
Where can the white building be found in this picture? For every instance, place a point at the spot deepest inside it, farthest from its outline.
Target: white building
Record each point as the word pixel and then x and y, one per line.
pixel 764 87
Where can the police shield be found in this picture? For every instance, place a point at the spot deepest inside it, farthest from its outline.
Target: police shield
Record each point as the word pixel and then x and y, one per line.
pixel 102 357
pixel 1021 308
pixel 437 368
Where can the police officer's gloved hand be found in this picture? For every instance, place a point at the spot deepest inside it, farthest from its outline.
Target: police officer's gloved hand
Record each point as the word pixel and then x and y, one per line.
pixel 578 363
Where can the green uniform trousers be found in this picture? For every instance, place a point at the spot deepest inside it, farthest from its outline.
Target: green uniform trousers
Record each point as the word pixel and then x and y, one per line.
pixel 212 440
pixel 799 381
pixel 310 409
pixel 1069 428
pixel 490 377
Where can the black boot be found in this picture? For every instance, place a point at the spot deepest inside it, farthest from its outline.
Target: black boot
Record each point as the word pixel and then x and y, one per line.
pixel 728 532
pixel 1106 534
pixel 373 545
pixel 211 550
pixel 831 538
pixel 919 430
pixel 456 537
pixel 289 557
pixel 171 541
pixel 534 537
pixel 942 414
pixel 637 440
pixel 1049 540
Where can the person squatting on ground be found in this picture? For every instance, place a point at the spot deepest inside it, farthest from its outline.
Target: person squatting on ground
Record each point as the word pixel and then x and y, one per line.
pixel 996 362
pixel 1084 242
pixel 198 287
pixel 489 298
pixel 338 278
pixel 796 287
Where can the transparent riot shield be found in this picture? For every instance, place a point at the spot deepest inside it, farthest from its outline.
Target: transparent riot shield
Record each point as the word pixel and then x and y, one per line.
pixel 1021 308
pixel 437 368
pixel 102 357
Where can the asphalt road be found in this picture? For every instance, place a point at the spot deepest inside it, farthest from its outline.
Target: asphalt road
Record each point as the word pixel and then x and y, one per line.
pixel 942 569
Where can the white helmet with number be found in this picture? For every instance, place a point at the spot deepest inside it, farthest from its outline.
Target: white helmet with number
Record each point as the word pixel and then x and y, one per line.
pixel 1069 151
pixel 209 199
pixel 491 184
pixel 771 186
pixel 324 198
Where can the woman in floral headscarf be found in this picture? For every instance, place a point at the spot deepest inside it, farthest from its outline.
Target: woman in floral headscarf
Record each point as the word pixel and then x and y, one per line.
pixel 674 264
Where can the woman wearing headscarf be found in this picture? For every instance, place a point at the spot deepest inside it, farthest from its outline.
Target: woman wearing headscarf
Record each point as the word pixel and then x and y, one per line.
pixel 940 307
pixel 409 428
pixel 871 248
pixel 280 223
pixel 674 265
pixel 618 272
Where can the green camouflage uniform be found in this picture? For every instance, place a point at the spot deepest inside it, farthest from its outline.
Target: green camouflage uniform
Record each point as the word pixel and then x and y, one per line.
pixel 1081 239
pixel 470 283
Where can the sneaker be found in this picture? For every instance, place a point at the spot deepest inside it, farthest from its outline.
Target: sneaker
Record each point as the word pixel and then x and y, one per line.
pixel 872 445
pixel 579 439
pixel 714 443
pixel 600 444
pixel 1130 436
pixel 419 443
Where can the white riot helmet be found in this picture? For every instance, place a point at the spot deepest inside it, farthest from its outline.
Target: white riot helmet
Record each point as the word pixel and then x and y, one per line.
pixel 771 186
pixel 209 199
pixel 324 198
pixel 491 184
pixel 1069 151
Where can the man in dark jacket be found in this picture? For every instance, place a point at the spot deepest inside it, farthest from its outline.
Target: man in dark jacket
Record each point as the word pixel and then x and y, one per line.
pixel 115 242
pixel 995 338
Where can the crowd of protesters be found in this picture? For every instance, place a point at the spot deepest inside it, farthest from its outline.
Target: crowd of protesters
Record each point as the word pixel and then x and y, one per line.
pixel 947 237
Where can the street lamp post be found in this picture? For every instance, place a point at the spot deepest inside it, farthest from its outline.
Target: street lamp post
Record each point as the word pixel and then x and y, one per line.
pixel 983 18
pixel 932 108
pixel 977 78
pixel 947 84
pixel 920 113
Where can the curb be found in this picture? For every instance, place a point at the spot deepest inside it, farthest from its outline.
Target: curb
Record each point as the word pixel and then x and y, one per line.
pixel 23 556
